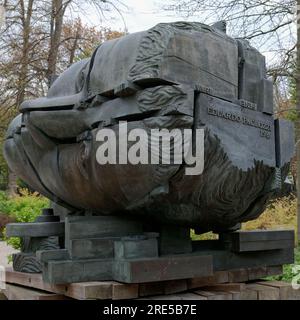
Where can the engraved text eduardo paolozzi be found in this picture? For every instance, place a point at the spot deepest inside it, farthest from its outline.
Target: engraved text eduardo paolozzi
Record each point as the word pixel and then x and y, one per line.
pixel 212 110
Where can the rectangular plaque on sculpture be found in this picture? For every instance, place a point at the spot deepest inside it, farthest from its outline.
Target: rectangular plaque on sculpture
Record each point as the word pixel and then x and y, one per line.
pixel 245 135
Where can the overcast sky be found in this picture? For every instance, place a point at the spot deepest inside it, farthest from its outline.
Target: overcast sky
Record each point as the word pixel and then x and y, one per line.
pixel 139 15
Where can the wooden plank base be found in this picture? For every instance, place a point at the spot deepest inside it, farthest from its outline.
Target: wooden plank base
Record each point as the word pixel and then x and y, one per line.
pixel 224 285
pixel 14 292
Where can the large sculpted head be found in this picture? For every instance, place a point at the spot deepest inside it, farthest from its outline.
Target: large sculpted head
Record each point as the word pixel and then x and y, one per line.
pixel 184 76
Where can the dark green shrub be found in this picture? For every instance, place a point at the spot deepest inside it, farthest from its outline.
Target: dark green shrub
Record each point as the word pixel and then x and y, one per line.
pixel 23 208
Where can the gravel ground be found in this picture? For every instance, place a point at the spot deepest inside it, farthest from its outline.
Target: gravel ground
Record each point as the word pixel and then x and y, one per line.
pixel 4 252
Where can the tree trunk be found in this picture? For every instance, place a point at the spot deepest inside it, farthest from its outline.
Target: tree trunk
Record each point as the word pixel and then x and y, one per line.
pixel 26 15
pixel 74 46
pixel 57 17
pixel 12 188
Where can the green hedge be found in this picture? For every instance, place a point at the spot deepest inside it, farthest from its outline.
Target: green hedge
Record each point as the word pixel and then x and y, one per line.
pixel 23 208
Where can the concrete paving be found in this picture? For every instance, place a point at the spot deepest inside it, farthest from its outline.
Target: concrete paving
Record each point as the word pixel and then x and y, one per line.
pixel 5 251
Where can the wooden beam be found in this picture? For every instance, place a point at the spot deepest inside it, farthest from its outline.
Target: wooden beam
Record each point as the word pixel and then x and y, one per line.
pixel 14 292
pixel 265 292
pixel 286 290
pixel 80 291
pixel 214 295
pixel 217 277
pixel 32 280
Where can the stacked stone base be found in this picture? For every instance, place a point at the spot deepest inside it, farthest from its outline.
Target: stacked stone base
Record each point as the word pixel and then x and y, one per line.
pixel 85 249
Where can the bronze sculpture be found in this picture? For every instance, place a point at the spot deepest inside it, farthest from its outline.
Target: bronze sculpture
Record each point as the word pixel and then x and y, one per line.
pixel 178 75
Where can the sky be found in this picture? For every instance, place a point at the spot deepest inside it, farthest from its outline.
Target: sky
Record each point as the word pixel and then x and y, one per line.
pixel 138 16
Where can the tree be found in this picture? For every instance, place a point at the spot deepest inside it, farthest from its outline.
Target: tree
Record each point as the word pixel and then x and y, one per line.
pixel 23 13
pixel 58 10
pixel 79 41
pixel 35 44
